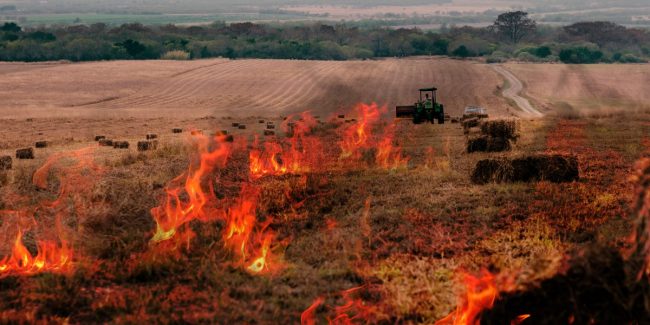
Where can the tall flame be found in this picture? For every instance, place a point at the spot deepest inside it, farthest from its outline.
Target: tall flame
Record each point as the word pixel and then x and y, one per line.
pixel 176 212
pixel 358 135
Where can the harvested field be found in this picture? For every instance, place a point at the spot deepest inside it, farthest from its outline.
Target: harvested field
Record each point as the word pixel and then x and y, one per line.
pixel 552 168
pixel 165 89
pixel 360 218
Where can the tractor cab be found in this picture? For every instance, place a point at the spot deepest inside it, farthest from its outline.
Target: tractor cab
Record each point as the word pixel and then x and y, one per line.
pixel 427 109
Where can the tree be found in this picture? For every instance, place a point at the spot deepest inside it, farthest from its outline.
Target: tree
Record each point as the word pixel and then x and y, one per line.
pixel 11 27
pixel 514 25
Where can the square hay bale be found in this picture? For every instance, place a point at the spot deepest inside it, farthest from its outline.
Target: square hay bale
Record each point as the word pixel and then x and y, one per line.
pixel 40 144
pixel 500 129
pixel 147 145
pixel 270 126
pixel 455 120
pixel 342 116
pixel 492 170
pixel 487 144
pixel 121 144
pixel 5 162
pixel 269 132
pixel 177 130
pixel 106 142
pixel 25 153
pixel 152 136
pixel 235 124
pixel 99 137
pixel 470 123
pixel 261 121
pixel 242 126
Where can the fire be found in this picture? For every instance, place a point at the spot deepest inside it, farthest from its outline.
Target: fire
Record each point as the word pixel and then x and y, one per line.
pixel 360 137
pixel 352 311
pixel 246 238
pixel 300 153
pixel 481 293
pixel 49 257
pixel 186 203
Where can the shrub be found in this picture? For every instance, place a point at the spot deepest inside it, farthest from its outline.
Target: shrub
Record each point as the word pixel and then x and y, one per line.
pixel 580 54
pixel 176 55
pixel 461 52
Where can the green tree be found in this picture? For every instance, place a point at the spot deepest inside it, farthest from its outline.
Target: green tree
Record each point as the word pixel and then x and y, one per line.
pixel 514 25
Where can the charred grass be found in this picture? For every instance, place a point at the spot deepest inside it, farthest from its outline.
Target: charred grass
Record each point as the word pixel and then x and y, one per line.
pixel 405 232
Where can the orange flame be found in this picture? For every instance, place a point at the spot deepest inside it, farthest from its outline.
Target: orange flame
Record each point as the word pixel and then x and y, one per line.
pixel 481 293
pixel 357 136
pixel 389 156
pixel 49 257
pixel 520 319
pixel 175 212
pixel 299 153
pixel 352 311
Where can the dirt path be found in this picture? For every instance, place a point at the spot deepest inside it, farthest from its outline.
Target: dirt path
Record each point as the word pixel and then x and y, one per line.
pixel 514 90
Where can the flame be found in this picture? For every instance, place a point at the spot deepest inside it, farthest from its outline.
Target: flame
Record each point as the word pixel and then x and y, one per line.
pixel 520 319
pixel 389 156
pixel 480 295
pixel 357 136
pixel 352 311
pixel 175 212
pixel 49 257
pixel 300 153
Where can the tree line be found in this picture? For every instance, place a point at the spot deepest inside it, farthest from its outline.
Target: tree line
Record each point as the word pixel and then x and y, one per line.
pixel 512 36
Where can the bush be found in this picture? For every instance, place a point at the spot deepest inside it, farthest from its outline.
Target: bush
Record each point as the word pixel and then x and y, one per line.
pixel 176 55
pixel 627 58
pixel 527 57
pixel 461 52
pixel 497 57
pixel 581 54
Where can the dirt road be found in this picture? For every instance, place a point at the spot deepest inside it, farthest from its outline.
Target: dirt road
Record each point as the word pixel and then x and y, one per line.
pixel 514 90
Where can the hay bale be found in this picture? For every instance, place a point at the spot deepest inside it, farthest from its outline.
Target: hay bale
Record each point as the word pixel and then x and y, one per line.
pixel 500 129
pixel 242 127
pixel 99 137
pixel 269 132
pixel 147 145
pixel 552 168
pixel 225 138
pixel 471 122
pixel 261 121
pixel 177 130
pixel 235 124
pixel 455 120
pixel 121 144
pixel 270 126
pixel 341 116
pixel 25 153
pixel 5 162
pixel 152 136
pixel 40 144
pixel 106 142
pixel 487 144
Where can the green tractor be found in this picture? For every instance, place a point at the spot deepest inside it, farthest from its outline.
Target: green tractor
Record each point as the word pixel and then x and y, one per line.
pixel 427 109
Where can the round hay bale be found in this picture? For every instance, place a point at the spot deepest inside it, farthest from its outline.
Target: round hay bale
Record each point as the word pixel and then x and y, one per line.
pixel 106 142
pixel 242 126
pixel 269 132
pixel 152 136
pixel 177 130
pixel 25 153
pixel 99 137
pixel 121 144
pixel 40 144
pixel 5 162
